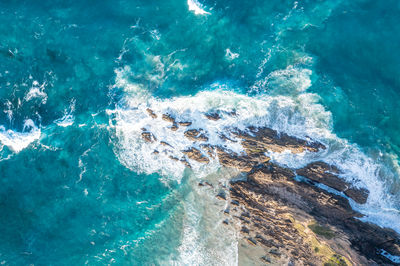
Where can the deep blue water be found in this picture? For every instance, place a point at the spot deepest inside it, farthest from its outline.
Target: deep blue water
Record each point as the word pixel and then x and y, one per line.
pixel 69 194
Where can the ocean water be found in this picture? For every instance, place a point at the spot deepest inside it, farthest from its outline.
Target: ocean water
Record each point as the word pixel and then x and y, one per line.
pixel 79 185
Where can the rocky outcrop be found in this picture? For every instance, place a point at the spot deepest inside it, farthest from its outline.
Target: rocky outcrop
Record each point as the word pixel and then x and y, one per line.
pixel 294 216
pixel 169 118
pixel 213 116
pixel 195 135
pixel 280 209
pixel 185 124
pixel 266 139
pixel 323 173
pixel 196 155
pixel 148 136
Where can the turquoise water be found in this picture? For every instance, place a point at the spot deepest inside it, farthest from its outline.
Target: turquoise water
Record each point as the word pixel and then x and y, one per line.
pixel 77 183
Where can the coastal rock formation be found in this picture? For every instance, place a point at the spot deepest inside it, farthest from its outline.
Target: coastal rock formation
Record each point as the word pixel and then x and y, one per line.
pixel 195 154
pixel 294 216
pixel 323 173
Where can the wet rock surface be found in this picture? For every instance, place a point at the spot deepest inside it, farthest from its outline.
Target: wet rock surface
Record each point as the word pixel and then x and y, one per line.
pixel 195 135
pixel 196 155
pixel 291 215
pixel 266 139
pixel 151 113
pixel 213 116
pixel 282 210
pixel 148 136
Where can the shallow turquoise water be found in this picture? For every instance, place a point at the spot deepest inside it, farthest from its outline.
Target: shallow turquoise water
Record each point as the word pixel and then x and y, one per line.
pixel 72 190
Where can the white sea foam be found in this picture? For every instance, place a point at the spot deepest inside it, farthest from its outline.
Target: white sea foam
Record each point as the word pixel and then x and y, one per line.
pixel 206 240
pixel 281 112
pixel 17 141
pixel 36 91
pixel 288 107
pixel 68 118
pixel 196 7
pixel 231 55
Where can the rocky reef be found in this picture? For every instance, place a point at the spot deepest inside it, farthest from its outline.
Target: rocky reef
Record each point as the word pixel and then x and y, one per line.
pixel 287 216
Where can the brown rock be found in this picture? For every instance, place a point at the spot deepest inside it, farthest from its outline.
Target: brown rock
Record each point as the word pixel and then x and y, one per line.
pixel 174 127
pixel 165 144
pixel 151 113
pixel 185 124
pixel 229 159
pixel 148 137
pixel 186 163
pixel 195 135
pixel 221 196
pixel 168 117
pixel 359 195
pixel 271 195
pixel 213 116
pixel 173 158
pixel 266 139
pixel 196 155
pixel 325 174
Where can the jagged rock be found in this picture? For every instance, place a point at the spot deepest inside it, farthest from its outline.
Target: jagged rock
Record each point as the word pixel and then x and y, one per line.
pixel 328 175
pixel 221 196
pixel 174 127
pixel 252 241
pixel 266 139
pixel 173 158
pixel 323 173
pixel 275 252
pixel 229 159
pixel 213 116
pixel 266 259
pixel 235 202
pixel 148 136
pixel 186 163
pixel 279 205
pixel 169 118
pixel 196 155
pixel 280 210
pixel 165 144
pixel 185 124
pixel 195 135
pixel 151 113
pixel 224 137
pixel 359 195
pixel 209 149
